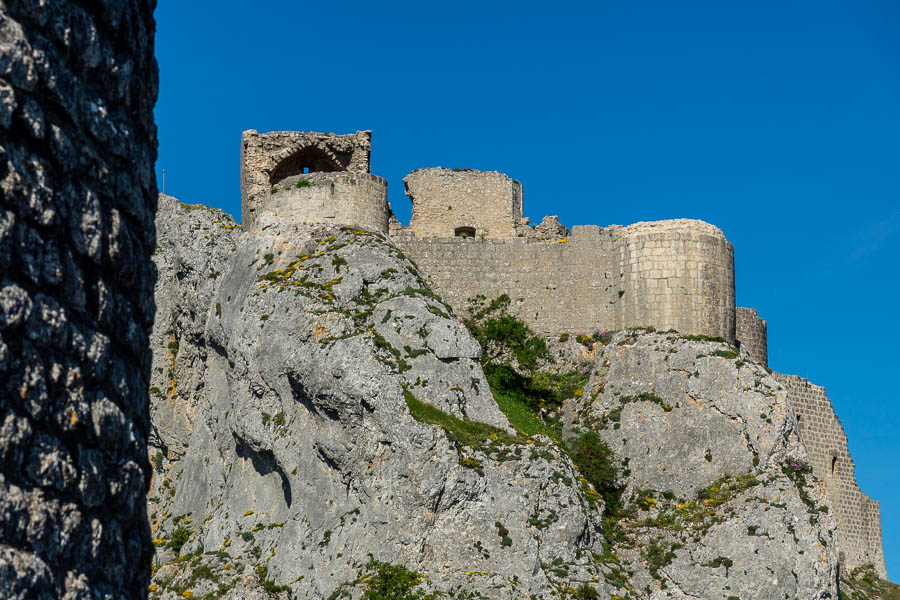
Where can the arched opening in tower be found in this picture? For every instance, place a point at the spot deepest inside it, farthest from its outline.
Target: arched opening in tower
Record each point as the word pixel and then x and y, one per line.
pixel 833 466
pixel 309 159
pixel 464 232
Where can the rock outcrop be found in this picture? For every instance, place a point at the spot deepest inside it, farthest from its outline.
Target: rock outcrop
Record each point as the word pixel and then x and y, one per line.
pixel 720 496
pixel 77 196
pixel 289 364
pixel 317 408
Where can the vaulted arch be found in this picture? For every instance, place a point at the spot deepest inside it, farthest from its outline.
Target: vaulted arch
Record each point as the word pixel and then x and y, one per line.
pixel 306 159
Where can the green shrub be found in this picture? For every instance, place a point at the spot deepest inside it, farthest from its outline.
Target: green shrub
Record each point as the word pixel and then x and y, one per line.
pixel 563 337
pixel 586 592
pixel 503 336
pixel 178 538
pixel 658 554
pixel 470 462
pixel 503 532
pixel 393 582
pixel 598 465
pixel 303 183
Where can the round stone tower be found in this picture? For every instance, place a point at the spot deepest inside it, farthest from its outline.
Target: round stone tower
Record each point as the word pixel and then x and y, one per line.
pixel 308 177
pixel 676 274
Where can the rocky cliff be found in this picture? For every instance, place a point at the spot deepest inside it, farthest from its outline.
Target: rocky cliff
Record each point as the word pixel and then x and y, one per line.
pixel 322 427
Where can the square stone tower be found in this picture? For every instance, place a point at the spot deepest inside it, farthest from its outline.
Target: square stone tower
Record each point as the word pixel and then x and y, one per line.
pixel 463 203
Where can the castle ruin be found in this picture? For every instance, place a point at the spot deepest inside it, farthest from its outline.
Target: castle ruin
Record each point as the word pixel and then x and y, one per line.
pixel 468 234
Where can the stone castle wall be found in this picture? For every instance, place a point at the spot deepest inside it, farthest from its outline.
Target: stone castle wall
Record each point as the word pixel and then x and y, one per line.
pixel 358 199
pixel 269 158
pixel 669 275
pixel 445 199
pixel 78 82
pixel 676 274
pixel 858 516
pixel 751 332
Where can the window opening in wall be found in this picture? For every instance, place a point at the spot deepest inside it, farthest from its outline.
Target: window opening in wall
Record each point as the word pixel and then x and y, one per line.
pixel 464 232
pixel 833 464
pixel 305 160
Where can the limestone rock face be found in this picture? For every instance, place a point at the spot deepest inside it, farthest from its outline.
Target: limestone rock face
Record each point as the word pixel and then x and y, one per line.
pixel 300 371
pixel 719 497
pixel 284 436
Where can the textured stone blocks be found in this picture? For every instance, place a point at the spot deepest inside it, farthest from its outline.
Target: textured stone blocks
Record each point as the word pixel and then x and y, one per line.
pixel 575 287
pixel 76 296
pixel 269 158
pixel 445 201
pixel 358 199
pixel 858 516
pixel 752 335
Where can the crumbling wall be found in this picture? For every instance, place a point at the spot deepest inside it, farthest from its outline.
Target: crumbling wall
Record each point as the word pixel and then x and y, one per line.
pixel 77 145
pixel 669 275
pixel 358 199
pixel 751 334
pixel 269 158
pixel 858 516
pixel 444 200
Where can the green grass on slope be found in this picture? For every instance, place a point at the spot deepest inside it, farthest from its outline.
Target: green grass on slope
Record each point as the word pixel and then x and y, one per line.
pixel 520 397
pixel 466 433
pixel 863 584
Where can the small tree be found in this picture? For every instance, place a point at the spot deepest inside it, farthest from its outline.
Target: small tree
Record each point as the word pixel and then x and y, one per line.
pixel 503 336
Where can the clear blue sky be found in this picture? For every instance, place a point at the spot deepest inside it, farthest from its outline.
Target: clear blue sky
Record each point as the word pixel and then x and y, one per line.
pixel 777 121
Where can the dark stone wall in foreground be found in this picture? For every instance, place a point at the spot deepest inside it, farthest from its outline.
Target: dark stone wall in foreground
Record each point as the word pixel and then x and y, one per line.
pixel 77 199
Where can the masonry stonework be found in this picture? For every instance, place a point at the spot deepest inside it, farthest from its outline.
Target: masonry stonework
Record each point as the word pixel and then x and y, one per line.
pixel 449 202
pixel 669 275
pixel 268 158
pixel 468 235
pixel 858 516
pixel 358 199
pixel 78 82
pixel 751 332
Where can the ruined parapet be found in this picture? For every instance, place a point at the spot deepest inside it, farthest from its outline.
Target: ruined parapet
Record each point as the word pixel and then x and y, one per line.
pixel 858 516
pixel 463 202
pixel 78 83
pixel 549 229
pixel 358 199
pixel 751 334
pixel 676 274
pixel 269 158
